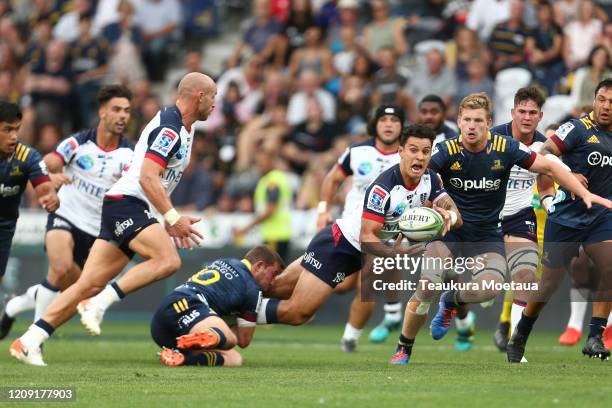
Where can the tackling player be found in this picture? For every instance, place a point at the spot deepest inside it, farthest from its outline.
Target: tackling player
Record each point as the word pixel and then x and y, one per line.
pixel 335 252
pixel 190 318
pixel 88 163
pixel 475 168
pixel 19 164
pixel 128 224
pixel 586 146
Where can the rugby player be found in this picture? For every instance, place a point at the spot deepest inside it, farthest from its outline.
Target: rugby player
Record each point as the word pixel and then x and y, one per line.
pixel 475 168
pixel 188 325
pixel 88 163
pixel 128 225
pixel 335 252
pixel 586 146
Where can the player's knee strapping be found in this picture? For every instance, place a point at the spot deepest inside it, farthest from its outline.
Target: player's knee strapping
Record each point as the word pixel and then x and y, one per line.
pixel 206 358
pixel 495 265
pixel 523 259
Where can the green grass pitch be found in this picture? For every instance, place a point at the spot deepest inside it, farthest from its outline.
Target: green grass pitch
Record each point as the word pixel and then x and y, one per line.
pixel 303 366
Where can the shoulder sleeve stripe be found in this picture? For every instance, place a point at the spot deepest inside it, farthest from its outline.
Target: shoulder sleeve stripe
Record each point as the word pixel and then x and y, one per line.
pixel 373 217
pixel 341 169
pixel 39 180
pixel 156 159
pixel 55 153
pixel 503 149
pixel 18 151
pixel 456 146
pixel 25 154
pixel 560 143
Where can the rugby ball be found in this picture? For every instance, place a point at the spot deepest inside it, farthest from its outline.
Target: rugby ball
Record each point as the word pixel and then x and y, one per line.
pixel 420 224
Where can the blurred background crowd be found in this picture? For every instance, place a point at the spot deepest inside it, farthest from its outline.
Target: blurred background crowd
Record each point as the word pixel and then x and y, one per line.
pixel 297 79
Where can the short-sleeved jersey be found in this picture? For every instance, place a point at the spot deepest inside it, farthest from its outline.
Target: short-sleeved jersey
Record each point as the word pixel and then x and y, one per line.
pixel 25 164
pixel 364 162
pixel 165 141
pixel 228 287
pixel 477 181
pixel 586 149
pixel 386 199
pixel 93 171
pixel 519 194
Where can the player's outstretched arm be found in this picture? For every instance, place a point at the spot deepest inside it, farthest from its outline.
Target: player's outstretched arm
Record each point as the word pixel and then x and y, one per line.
pixel 55 165
pixel 179 227
pixel 47 198
pixel 446 207
pixel 330 186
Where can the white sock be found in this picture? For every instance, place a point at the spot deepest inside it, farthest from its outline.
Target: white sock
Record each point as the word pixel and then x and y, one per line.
pixel 261 315
pixel 610 319
pixel 34 337
pixel 393 311
pixel 463 324
pixel 44 297
pixel 578 307
pixel 107 297
pixel 515 315
pixel 21 303
pixel 351 333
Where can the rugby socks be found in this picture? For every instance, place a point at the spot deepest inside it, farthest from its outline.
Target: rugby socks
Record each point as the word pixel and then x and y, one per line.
pixel 206 358
pixel 351 333
pixel 577 310
pixel 21 303
pixel 597 326
pixel 451 299
pixel 525 324
pixel 405 344
pixel 37 334
pixel 222 338
pixel 517 311
pixel 112 293
pixel 393 312
pixel 268 312
pixel 44 296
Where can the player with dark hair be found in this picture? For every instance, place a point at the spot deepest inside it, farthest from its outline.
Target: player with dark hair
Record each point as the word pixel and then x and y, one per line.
pixel 336 251
pixel 189 326
pixel 586 147
pixel 431 113
pixel 87 164
pixel 19 163
pixel 475 168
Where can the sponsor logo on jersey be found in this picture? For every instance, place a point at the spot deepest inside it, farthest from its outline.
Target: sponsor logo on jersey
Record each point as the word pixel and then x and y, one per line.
pixel 377 199
pixel 456 166
pixel 364 168
pixel 120 227
pixel 85 162
pixel 481 184
pixel 310 259
pixel 187 319
pixel 598 159
pixel 60 223
pixel 399 210
pixel 497 165
pixel 16 171
pixel 564 130
pixel 593 139
pixel 166 138
pixel 339 277
pixel 8 191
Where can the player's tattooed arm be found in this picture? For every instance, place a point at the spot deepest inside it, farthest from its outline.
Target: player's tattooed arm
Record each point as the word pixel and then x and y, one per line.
pixel 373 246
pixel 444 206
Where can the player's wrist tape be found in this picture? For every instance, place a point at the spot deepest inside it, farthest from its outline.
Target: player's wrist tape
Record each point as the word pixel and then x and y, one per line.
pixel 453 217
pixel 172 216
pixel 322 207
pixel 546 201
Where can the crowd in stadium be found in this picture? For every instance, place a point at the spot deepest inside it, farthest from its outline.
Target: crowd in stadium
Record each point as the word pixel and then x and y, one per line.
pixel 302 80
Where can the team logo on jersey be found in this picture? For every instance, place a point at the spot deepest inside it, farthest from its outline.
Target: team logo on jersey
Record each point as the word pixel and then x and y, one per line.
pixel 166 138
pixel 456 166
pixel 593 139
pixel 339 277
pixel 377 199
pixel 16 171
pixel 85 162
pixel 598 159
pixel 364 168
pixel 497 165
pixel 564 130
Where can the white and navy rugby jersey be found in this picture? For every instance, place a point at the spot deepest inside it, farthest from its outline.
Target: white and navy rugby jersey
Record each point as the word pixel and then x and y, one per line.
pixel 520 186
pixel 364 162
pixel 93 171
pixel 387 198
pixel 165 141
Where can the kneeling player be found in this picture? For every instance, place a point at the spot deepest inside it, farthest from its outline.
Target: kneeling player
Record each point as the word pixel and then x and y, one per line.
pixel 188 324
pixel 335 252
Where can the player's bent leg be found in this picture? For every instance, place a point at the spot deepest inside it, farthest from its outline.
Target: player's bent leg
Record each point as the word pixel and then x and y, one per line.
pixel 350 282
pixel 309 295
pixel 522 257
pixel 210 333
pixel 415 316
pixel 173 358
pixel 284 284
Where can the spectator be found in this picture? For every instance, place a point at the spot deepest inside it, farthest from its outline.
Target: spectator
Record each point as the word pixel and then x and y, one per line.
pixel 384 31
pixel 67 28
pixel 485 15
pixel 294 31
pixel 353 105
pixel 124 27
pixel 10 37
pixel 313 56
pixel 272 93
pixel 544 50
pixel 565 11
pixel 41 36
pixel 465 47
pixel 388 85
pixel 344 59
pixel 160 22
pixel 478 80
pixel 260 35
pixel 49 136
pixel 196 190
pixel 509 39
pixel 598 68
pixel 309 86
pixel 581 35
pixel 9 87
pixel 348 13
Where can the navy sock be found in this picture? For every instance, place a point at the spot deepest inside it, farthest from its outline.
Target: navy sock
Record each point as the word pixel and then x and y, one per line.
pixel 206 358
pixel 405 344
pixel 597 326
pixel 222 338
pixel 45 326
pixel 526 324
pixel 272 311
pixel 45 283
pixel 118 290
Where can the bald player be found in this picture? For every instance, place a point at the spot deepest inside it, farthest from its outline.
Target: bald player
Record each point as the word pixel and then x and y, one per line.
pixel 129 225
